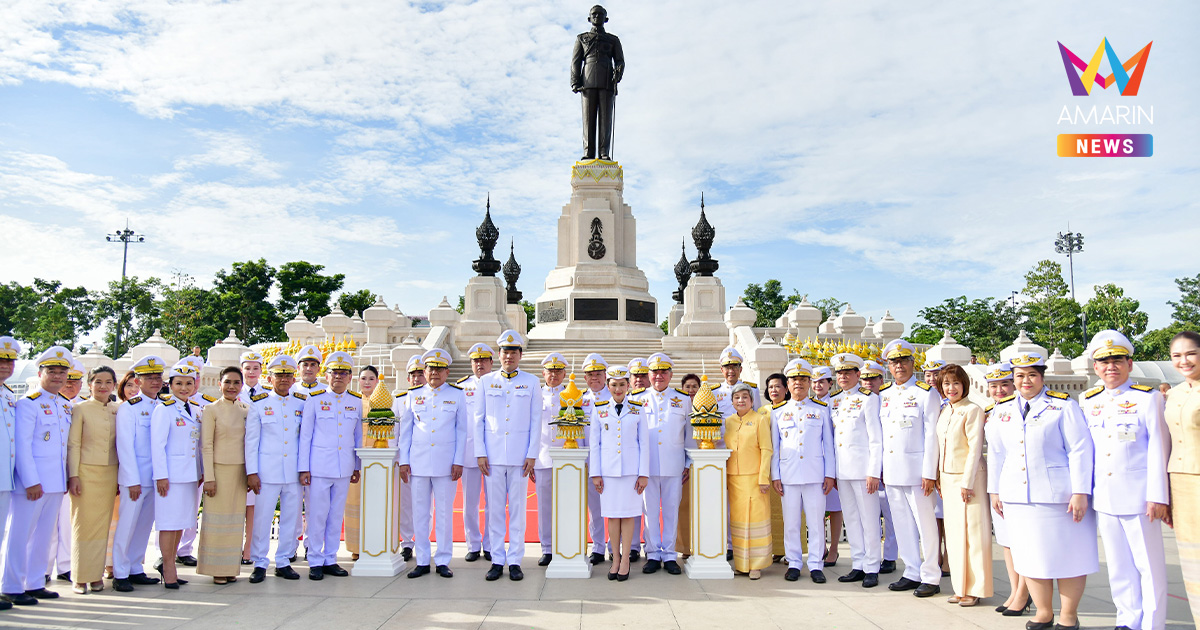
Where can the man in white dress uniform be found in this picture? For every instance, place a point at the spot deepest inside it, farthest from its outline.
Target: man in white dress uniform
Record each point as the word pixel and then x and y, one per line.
pixel 135 478
pixel 858 440
pixel 667 425
pixel 481 357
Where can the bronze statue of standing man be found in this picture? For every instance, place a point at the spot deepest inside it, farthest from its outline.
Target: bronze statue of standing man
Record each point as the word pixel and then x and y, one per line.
pixel 597 64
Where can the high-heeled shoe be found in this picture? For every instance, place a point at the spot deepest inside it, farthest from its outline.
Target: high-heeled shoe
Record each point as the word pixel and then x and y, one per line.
pixel 1017 612
pixel 1039 625
pixel 172 585
pixel 621 577
pixel 612 576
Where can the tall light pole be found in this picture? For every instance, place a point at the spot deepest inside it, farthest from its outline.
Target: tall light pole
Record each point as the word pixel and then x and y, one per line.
pixel 1071 243
pixel 125 237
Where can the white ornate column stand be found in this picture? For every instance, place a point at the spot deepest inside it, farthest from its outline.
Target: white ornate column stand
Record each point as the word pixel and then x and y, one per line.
pixel 379 519
pixel 710 508
pixel 570 514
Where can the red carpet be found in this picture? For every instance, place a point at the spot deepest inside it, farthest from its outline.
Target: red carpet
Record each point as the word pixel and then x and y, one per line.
pixel 531 533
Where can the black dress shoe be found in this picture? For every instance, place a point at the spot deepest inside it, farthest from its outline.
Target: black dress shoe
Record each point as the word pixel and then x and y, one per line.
pixel 406 553
pixel 651 566
pixel 1059 626
pixel 634 555
pixel 903 584
pixel 487 555
pixel 870 580
pixel 42 593
pixel 122 585
pixel 545 559
pixel 792 574
pixel 257 575
pixel 514 573
pixel 853 576
pixel 672 567
pixel 246 562
pixel 495 572
pixel 729 556
pixel 64 576
pixel 597 558
pixel 174 586
pixel 472 556
pixel 887 566
pixel 141 579
pixel 818 576
pixel 287 573
pixel 444 571
pixel 293 559
pixel 20 599
pixel 621 577
pixel 1039 625
pixel 315 573
pixel 5 604
pixel 927 590
pixel 419 570
pixel 335 570
pixel 612 576
pixel 187 561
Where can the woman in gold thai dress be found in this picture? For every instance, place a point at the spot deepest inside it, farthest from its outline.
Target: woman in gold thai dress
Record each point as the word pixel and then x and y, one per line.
pixel 748 436
pixel 92 479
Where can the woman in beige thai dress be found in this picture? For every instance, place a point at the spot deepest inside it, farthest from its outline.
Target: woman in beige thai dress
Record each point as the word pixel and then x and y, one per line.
pixel 1183 420
pixel 223 446
pixel 748 436
pixel 92 479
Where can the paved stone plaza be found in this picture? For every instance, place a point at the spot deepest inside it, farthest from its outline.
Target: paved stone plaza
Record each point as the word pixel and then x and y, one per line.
pixel 646 602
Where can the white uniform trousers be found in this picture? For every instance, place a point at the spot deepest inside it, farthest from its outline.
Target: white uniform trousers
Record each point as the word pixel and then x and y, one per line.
pixel 472 485
pixel 506 488
pixel 809 499
pixel 662 495
pixel 59 559
pixel 29 527
pixel 891 550
pixel 860 512
pixel 326 505
pixel 441 490
pixel 135 520
pixel 407 532
pixel 187 540
pixel 1137 569
pixel 5 500
pixel 596 521
pixel 916 532
pixel 288 496
pixel 544 486
pixel 300 521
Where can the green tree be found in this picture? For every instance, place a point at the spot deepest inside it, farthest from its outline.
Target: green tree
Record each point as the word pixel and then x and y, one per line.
pixel 665 325
pixel 302 287
pixel 1053 315
pixel 240 301
pixel 356 302
pixel 185 314
pixel 985 325
pixel 462 305
pixel 1109 309
pixel 131 306
pixel 831 306
pixel 1187 309
pixel 768 301
pixel 50 314
pixel 14 296
pixel 530 314
pixel 1156 344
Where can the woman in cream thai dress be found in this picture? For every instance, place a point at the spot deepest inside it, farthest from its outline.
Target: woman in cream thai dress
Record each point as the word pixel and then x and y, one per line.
pixel 223 445
pixel 748 435
pixel 962 482
pixel 1183 420
pixel 92 479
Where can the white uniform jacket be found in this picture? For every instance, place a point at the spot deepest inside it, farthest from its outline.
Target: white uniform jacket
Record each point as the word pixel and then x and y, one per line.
pixel 175 441
pixel 1045 457
pixel 802 436
pixel 724 395
pixel 551 404
pixel 668 424
pixel 618 441
pixel 247 393
pixel 857 434
pixel 134 464
pixel 273 437
pixel 8 435
pixel 1132 448
pixel 469 385
pixel 508 422
pixel 590 398
pixel 43 422
pixel 429 410
pixel 908 414
pixel 330 430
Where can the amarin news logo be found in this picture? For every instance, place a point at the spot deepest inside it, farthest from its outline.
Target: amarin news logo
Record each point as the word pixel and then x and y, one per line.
pixel 1128 84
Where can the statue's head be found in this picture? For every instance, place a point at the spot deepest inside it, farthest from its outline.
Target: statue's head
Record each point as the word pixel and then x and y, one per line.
pixel 598 15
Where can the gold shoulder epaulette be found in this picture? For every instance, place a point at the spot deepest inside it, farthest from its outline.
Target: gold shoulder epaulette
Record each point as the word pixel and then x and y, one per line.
pixel 923 385
pixel 168 402
pixel 819 402
pixel 456 386
pixel 463 379
pixel 1006 399
pixel 717 386
pixel 35 395
pixel 779 404
pixel 637 403
pixel 682 392
pixel 754 385
pixel 258 397
pixel 885 387
pixel 403 393
pixel 1092 392
pixel 1056 394
pixel 8 388
pixel 601 403
pixel 835 392
pixel 64 397
pixel 208 398
pixel 415 387
pixel 989 408
pixel 300 396
pixel 354 393
pixel 135 400
pixel 864 391
pixel 1142 388
pixel 638 391
pixel 164 397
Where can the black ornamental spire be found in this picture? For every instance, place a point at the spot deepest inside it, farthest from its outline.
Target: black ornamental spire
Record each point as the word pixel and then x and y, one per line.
pixel 512 271
pixel 683 272
pixel 703 235
pixel 487 235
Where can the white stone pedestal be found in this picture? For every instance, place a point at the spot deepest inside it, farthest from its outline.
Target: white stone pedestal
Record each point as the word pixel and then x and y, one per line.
pixel 379 520
pixel 570 514
pixel 710 507
pixel 703 309
pixel 485 306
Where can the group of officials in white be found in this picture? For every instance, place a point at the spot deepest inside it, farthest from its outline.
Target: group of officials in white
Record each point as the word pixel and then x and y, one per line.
pixel 1054 474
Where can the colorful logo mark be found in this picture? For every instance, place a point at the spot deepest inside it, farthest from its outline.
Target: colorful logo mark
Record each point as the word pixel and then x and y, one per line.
pixel 1128 84
pixel 1105 145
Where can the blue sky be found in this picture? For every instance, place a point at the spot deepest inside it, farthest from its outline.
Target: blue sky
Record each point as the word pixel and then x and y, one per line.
pixel 890 154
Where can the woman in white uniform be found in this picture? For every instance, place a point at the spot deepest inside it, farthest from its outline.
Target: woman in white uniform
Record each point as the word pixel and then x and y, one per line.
pixel 1000 386
pixel 1041 468
pixel 175 453
pixel 620 466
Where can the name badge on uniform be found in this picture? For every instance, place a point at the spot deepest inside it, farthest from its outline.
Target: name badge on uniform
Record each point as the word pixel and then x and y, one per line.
pixel 905 423
pixel 1126 436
